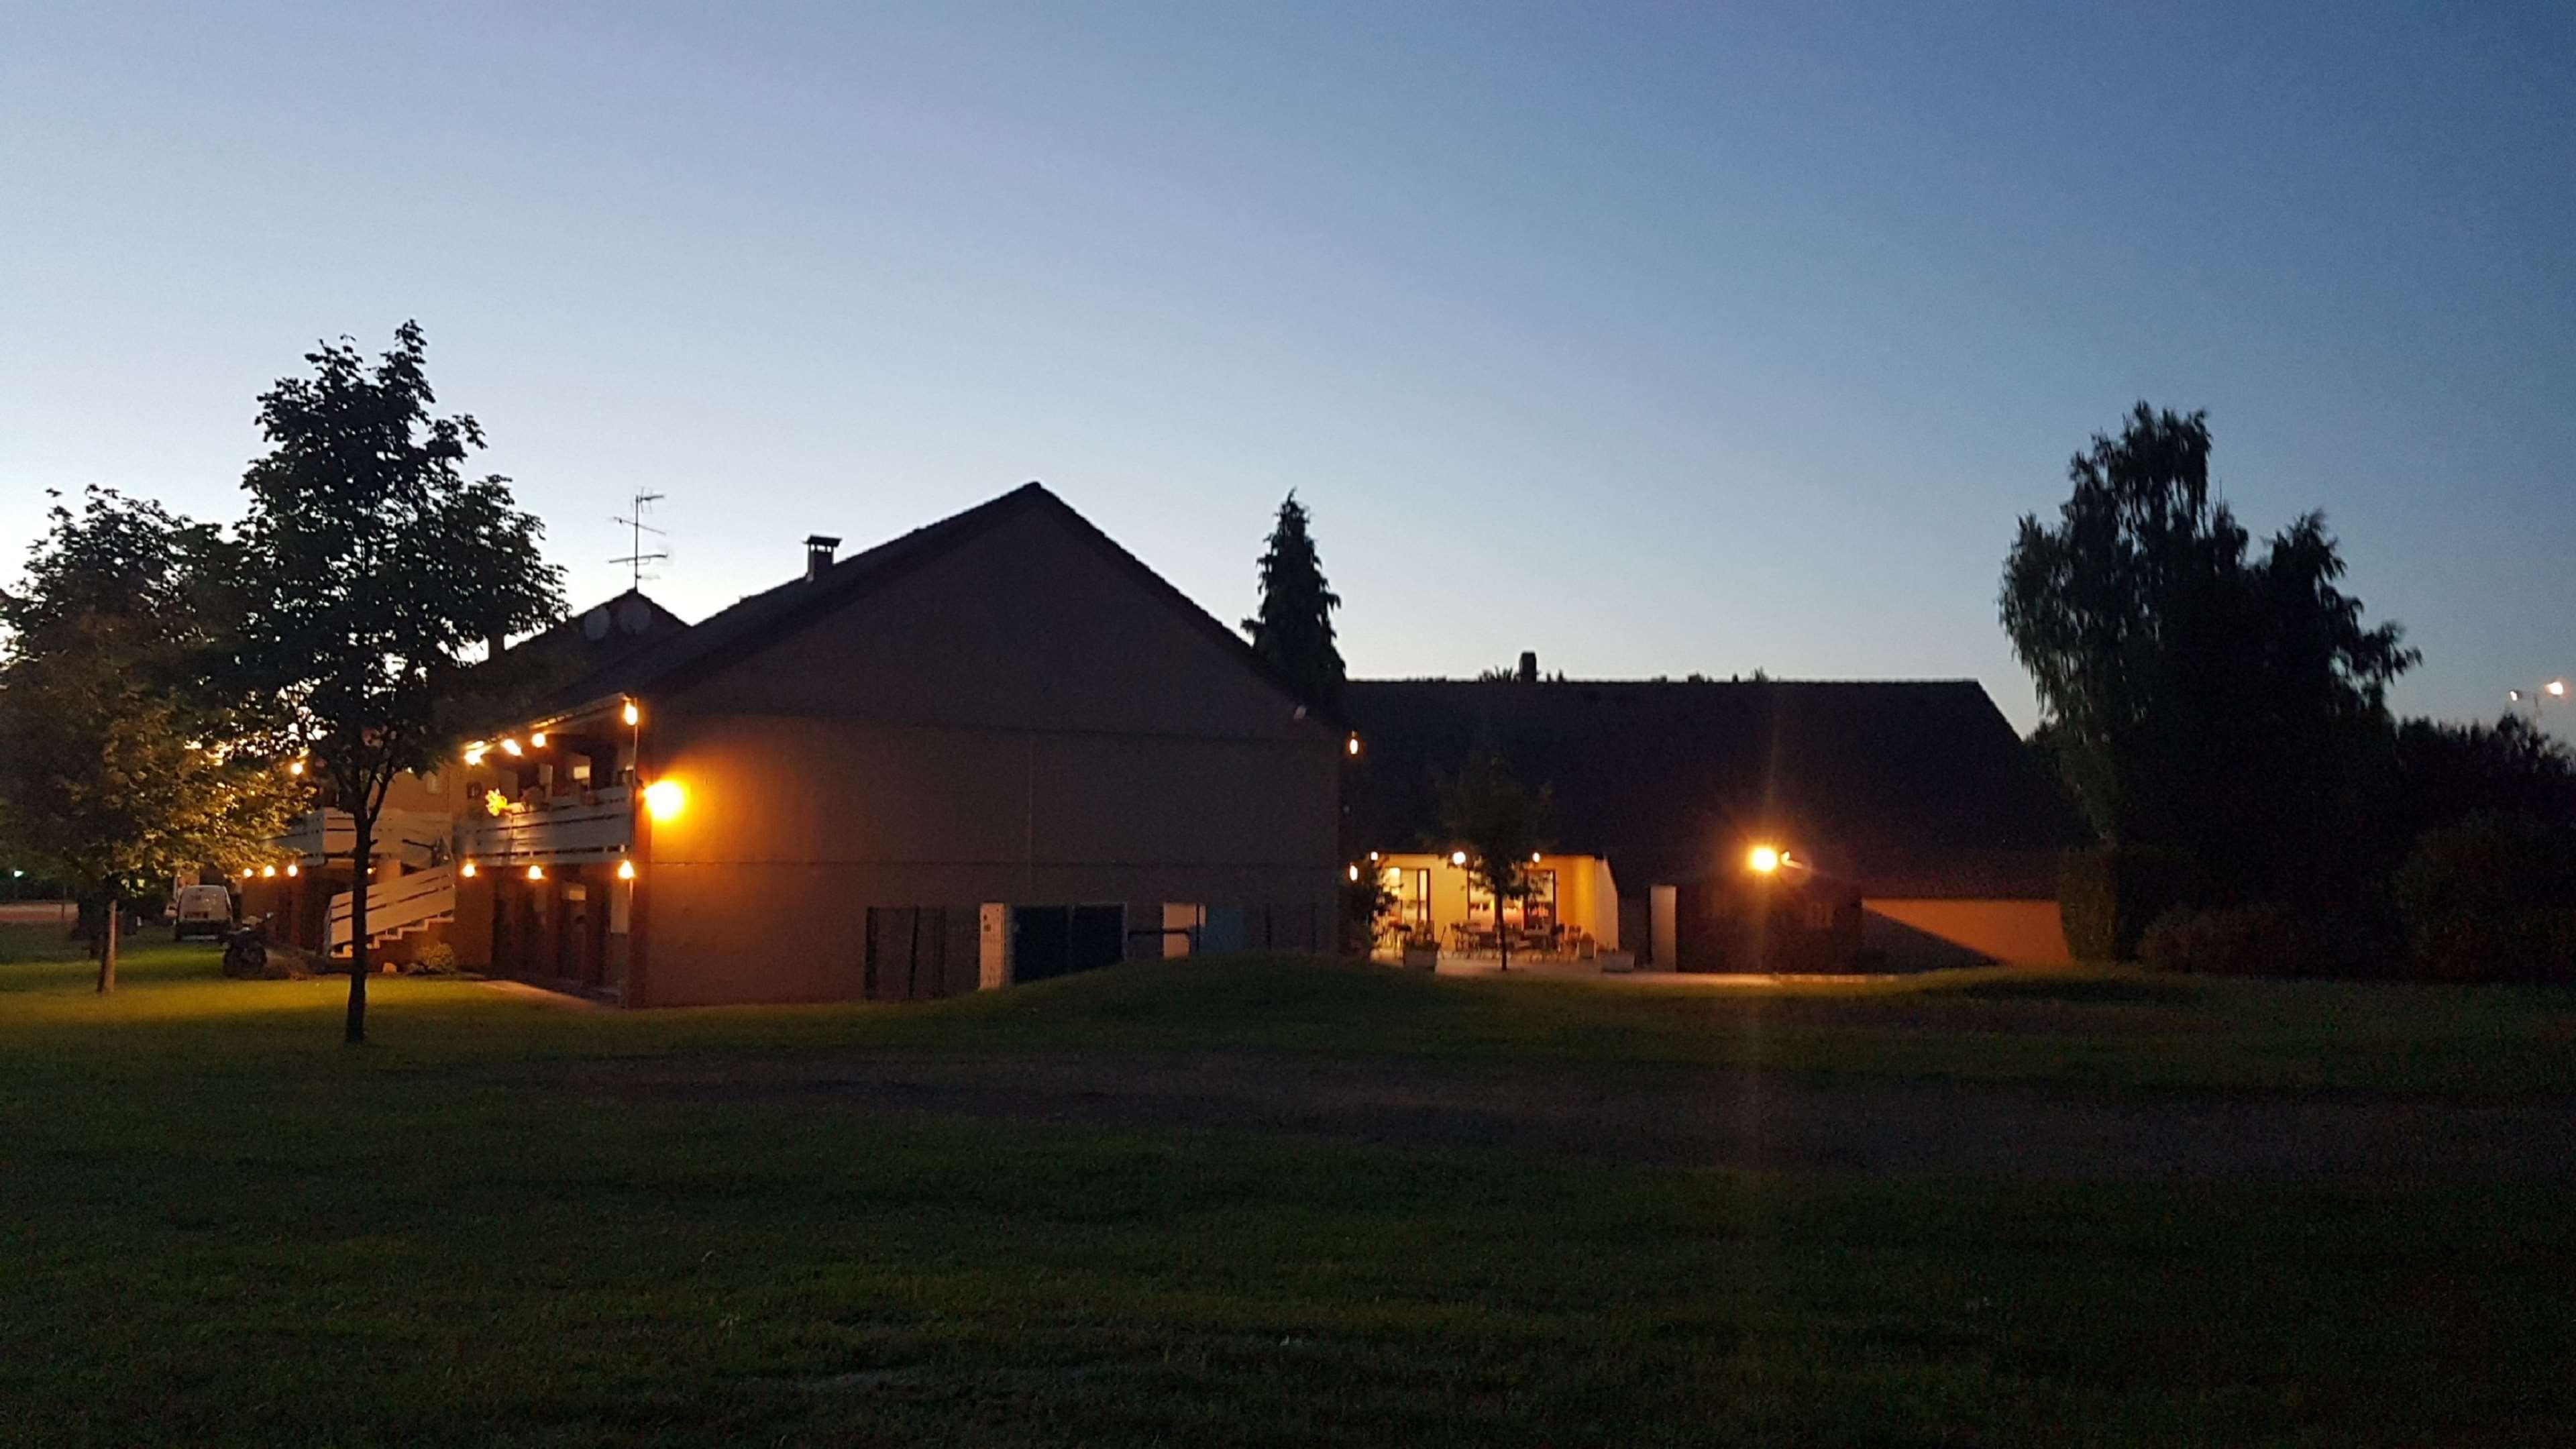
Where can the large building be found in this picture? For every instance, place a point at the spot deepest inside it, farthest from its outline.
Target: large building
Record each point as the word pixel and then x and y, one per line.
pixel 994 749
pixel 1723 825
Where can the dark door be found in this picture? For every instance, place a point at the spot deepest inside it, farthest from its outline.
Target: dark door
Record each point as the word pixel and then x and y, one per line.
pixel 1040 936
pixel 581 940
pixel 1099 937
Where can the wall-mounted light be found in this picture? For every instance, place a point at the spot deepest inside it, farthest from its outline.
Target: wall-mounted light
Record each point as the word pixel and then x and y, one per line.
pixel 1352 745
pixel 536 872
pixel 466 870
pixel 1457 857
pixel 538 739
pixel 474 752
pixel 634 716
pixel 268 871
pixel 511 747
pixel 293 870
pixel 1533 857
pixel 295 767
pixel 664 799
pixel 1355 875
pixel 626 870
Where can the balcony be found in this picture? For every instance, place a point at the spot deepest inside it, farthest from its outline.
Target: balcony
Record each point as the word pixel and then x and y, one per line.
pixel 597 825
pixel 329 834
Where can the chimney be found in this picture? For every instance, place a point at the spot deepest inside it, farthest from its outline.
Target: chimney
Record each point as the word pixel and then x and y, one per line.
pixel 818 555
pixel 1529 666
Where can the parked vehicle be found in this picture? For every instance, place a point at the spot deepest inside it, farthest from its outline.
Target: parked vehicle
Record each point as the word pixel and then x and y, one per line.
pixel 203 910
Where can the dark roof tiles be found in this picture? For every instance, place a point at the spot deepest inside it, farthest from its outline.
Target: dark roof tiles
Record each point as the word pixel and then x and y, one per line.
pixel 1917 788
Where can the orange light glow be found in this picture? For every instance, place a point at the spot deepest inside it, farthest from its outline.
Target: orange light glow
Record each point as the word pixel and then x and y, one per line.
pixel 536 872
pixel 511 747
pixel 467 870
pixel 268 870
pixel 1355 875
pixel 633 715
pixel 296 768
pixel 1457 857
pixel 1764 859
pixel 626 870
pixel 1352 744
pixel 538 739
pixel 664 799
pixel 294 870
pixel 474 752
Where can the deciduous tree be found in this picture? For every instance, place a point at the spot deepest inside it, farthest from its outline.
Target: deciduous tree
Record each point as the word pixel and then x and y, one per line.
pixel 1500 822
pixel 376 565
pixel 127 753
pixel 2197 697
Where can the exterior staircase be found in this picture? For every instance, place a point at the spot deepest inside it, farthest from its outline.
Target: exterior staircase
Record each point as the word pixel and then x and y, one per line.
pixel 403 906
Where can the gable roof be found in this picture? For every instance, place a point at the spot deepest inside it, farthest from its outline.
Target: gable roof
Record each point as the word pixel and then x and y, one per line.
pixel 1906 788
pixel 761 619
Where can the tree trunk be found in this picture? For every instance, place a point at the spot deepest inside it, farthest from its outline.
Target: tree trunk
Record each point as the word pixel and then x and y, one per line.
pixel 107 951
pixel 1502 934
pixel 365 847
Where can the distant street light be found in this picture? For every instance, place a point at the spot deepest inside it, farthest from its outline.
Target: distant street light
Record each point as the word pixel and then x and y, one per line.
pixel 2554 692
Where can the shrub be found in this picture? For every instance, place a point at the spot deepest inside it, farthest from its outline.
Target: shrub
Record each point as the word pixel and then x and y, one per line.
pixel 435 959
pixel 2491 899
pixel 2107 897
pixel 2256 940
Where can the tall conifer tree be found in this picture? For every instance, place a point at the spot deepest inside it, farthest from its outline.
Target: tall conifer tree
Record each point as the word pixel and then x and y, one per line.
pixel 1294 629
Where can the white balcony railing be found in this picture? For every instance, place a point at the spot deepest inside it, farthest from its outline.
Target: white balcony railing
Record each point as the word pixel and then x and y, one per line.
pixel 330 834
pixel 595 826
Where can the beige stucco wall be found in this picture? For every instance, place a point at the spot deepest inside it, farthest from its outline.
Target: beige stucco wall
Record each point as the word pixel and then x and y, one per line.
pixel 1020 721
pixel 2013 932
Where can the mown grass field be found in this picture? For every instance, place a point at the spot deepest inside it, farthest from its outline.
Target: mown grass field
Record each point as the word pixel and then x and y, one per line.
pixel 219 1226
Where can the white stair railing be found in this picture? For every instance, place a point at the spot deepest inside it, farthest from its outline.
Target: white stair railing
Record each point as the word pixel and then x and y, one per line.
pixel 397 905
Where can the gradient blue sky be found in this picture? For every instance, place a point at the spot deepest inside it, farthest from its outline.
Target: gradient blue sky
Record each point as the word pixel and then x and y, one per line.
pixel 1656 339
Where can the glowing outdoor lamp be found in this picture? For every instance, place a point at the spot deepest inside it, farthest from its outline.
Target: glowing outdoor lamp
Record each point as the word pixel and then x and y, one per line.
pixel 511 747
pixel 1457 857
pixel 1764 859
pixel 1352 745
pixel 467 870
pixel 626 870
pixel 294 870
pixel 295 768
pixel 538 739
pixel 1355 875
pixel 474 752
pixel 536 872
pixel 633 715
pixel 664 799
pixel 268 870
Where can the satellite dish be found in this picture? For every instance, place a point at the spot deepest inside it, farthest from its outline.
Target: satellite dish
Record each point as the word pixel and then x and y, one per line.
pixel 594 625
pixel 634 616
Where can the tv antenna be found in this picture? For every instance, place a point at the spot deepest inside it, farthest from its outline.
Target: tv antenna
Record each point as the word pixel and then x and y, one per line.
pixel 636 555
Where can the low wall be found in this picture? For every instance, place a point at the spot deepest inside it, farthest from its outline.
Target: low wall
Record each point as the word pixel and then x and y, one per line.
pixel 1929 933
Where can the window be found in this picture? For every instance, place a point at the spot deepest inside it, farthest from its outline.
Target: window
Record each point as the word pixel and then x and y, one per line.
pixel 1412 892
pixel 1534 912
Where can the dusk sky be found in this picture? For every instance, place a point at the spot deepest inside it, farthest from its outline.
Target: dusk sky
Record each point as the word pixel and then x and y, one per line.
pixel 1655 339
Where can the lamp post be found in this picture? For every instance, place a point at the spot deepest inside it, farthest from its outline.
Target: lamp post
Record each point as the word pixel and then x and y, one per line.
pixel 2552 693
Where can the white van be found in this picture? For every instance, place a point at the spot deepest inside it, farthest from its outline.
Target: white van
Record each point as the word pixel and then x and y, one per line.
pixel 202 910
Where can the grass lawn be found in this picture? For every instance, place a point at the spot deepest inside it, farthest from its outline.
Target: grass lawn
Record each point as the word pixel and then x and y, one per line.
pixel 217 1225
